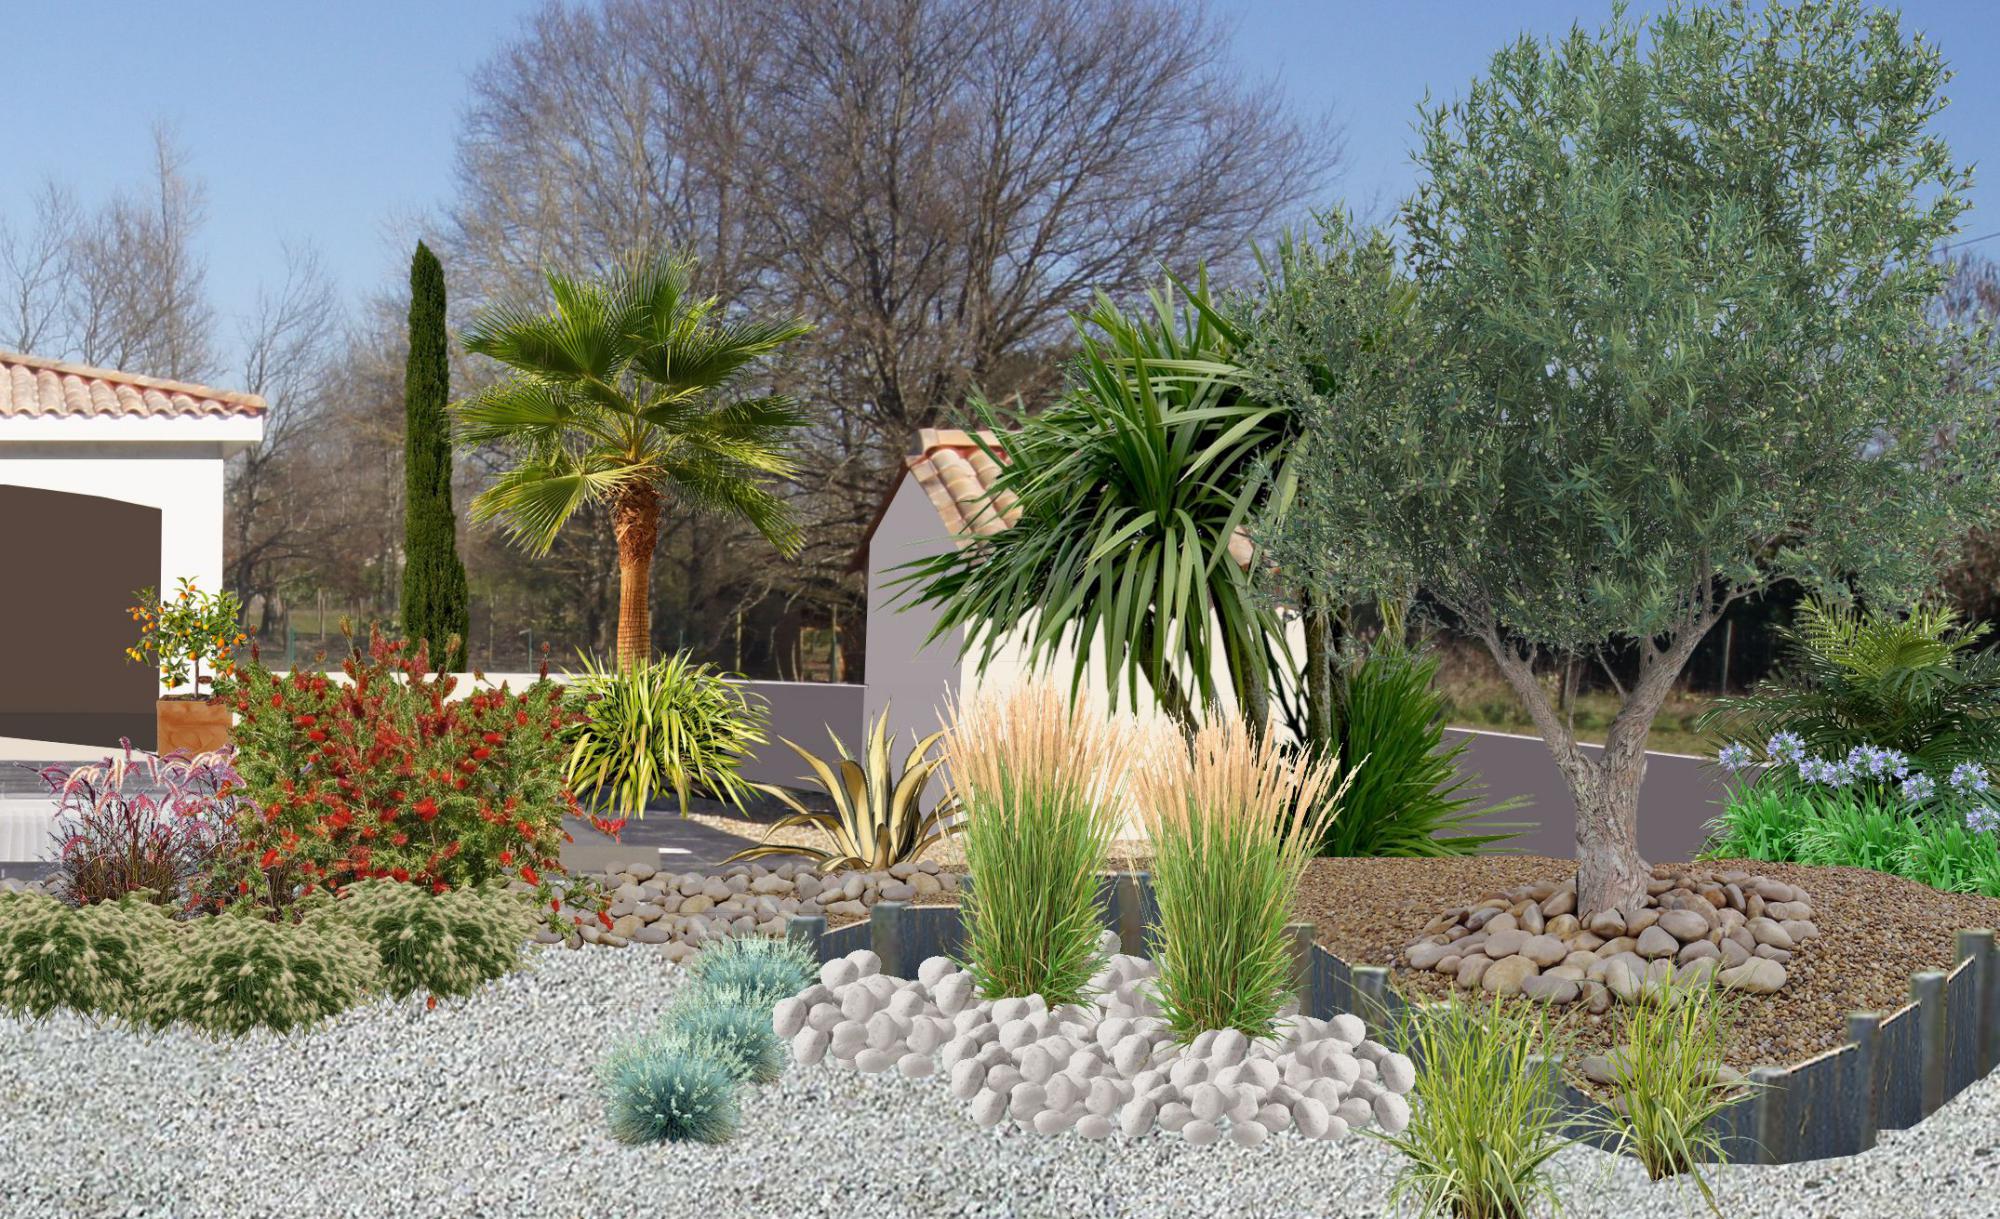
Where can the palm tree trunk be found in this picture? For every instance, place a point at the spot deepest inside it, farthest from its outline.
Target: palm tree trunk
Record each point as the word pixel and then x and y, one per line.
pixel 635 520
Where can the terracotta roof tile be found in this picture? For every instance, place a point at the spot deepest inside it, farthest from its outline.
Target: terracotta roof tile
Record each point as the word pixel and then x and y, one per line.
pixel 32 386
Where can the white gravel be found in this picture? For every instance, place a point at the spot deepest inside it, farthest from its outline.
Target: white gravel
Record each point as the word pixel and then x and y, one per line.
pixel 488 1108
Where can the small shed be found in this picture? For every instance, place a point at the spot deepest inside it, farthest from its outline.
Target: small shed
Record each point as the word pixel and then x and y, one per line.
pixel 109 482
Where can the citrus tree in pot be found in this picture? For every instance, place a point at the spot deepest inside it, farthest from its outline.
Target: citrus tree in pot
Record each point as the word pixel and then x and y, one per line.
pixel 191 638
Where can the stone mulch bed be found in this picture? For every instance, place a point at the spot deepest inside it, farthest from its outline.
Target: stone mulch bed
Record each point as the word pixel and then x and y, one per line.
pixel 1875 931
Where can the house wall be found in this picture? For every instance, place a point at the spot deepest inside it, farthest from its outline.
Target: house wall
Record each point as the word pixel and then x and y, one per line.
pixel 185 482
pixel 906 675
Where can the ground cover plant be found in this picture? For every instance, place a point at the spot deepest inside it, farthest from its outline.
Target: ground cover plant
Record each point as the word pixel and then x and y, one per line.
pixel 385 776
pixel 1488 1119
pixel 114 837
pixel 878 819
pixel 92 959
pixel 1036 777
pixel 670 724
pixel 438 944
pixel 1232 821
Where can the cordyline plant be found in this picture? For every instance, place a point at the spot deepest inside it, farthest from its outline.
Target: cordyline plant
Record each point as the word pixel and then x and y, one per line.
pixel 113 836
pixel 385 775
pixel 1670 346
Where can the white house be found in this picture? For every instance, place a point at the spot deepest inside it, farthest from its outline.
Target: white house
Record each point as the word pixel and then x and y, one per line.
pixel 109 482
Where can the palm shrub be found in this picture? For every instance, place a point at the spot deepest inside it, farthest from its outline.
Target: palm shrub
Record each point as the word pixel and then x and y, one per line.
pixel 1035 777
pixel 1232 820
pixel 630 393
pixel 1410 800
pixel 1919 683
pixel 1488 1117
pixel 1670 1082
pixel 670 1087
pixel 878 818
pixel 671 724
pixel 442 944
pixel 236 972
pixel 767 969
pixel 91 959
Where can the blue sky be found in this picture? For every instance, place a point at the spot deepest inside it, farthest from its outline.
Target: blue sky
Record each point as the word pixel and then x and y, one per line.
pixel 333 123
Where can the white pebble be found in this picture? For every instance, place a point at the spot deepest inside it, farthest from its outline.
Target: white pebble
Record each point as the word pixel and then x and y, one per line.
pixel 859 1003
pixel 1174 1117
pixel 1207 1101
pixel 1245 1134
pixel 935 970
pixel 1310 1117
pixel 1354 1111
pixel 1274 1117
pixel 849 1039
pixel 1200 1133
pixel 1026 1100
pixel 873 1061
pixel 988 1108
pixel 1036 1064
pixel 1060 1091
pixel 788 1016
pixel 1094 1126
pixel 1392 1112
pixel 809 1046
pixel 866 963
pixel 967 1078
pixel 1399 1074
pixel 1053 1121
pixel 1228 1047
pixel 1009 1009
pixel 915 1066
pixel 907 1003
pixel 1347 1029
pixel 824 1016
pixel 1137 1117
pixel 838 973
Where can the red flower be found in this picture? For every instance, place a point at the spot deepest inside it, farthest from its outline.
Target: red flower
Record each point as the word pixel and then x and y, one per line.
pixel 605 919
pixel 401 840
pixel 243 886
pixel 555 903
pixel 401 874
pixel 431 1003
pixel 492 738
pixel 427 808
pixel 507 857
pixel 481 752
pixel 317 734
pixel 270 859
pixel 528 874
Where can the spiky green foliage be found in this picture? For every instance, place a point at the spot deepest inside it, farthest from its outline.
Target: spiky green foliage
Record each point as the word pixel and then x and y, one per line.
pixel 1921 682
pixel 436 606
pixel 669 724
pixel 1671 346
pixel 1133 494
pixel 1037 777
pixel 1792 823
pixel 1487 1118
pixel 878 819
pixel 92 959
pixel 630 391
pixel 1231 820
pixel 236 972
pixel 439 944
pixel 1410 799
pixel 669 1088
pixel 1670 1083
pixel 765 969
pixel 737 1023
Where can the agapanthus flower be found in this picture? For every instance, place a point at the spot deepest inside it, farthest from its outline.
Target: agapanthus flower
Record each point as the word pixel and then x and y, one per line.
pixel 1983 820
pixel 1733 756
pixel 1877 763
pixel 1969 777
pixel 1787 747
pixel 1919 788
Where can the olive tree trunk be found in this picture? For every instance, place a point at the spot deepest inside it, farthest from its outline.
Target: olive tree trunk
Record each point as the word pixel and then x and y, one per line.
pixel 635 520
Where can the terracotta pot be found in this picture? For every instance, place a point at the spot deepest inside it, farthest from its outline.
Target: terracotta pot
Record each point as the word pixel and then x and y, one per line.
pixel 191 725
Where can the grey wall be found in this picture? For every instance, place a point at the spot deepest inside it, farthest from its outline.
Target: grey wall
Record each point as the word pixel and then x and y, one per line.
pixel 1680 794
pixel 904 675
pixel 803 711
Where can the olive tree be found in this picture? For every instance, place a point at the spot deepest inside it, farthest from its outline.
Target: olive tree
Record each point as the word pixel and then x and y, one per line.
pixel 1670 346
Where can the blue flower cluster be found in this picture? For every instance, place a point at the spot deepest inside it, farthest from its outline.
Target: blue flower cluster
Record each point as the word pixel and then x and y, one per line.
pixel 1870 763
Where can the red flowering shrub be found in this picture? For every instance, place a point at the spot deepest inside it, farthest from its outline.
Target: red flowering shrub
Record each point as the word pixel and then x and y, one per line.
pixel 384 776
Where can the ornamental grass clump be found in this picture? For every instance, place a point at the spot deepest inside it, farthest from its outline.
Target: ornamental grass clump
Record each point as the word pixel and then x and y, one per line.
pixel 236 972
pixel 737 1024
pixel 766 969
pixel 1670 1082
pixel 1036 778
pixel 91 960
pixel 672 725
pixel 1487 1119
pixel 669 1088
pixel 1232 822
pixel 441 944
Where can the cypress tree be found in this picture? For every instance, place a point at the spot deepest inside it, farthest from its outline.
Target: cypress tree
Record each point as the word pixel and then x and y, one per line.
pixel 435 604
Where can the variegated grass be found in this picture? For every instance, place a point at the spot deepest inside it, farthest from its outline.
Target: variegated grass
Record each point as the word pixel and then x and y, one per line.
pixel 1670 1082
pixel 1232 820
pixel 1036 778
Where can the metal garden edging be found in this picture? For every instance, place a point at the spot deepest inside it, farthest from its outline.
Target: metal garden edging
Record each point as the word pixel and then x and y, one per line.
pixel 1893 1071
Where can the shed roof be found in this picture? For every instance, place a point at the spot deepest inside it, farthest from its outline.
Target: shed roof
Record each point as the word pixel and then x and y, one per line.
pixel 31 386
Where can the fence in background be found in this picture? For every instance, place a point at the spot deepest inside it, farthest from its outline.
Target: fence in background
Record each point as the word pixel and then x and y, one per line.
pixel 1894 1071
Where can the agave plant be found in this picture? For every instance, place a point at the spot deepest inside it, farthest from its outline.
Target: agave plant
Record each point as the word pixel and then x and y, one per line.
pixel 877 819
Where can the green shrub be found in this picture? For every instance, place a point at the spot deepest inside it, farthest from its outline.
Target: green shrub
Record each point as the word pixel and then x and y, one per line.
pixel 235 972
pixel 1487 1118
pixel 1918 683
pixel 1410 799
pixel 1761 822
pixel 1670 1082
pixel 1232 821
pixel 669 1088
pixel 766 969
pixel 737 1024
pixel 669 724
pixel 1035 778
pixel 1856 830
pixel 1954 858
pixel 443 944
pixel 92 959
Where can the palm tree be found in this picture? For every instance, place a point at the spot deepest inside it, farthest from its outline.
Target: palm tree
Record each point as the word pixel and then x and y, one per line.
pixel 626 394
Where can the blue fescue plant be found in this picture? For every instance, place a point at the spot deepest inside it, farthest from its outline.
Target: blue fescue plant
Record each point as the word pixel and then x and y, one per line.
pixel 669 1088
pixel 768 969
pixel 737 1024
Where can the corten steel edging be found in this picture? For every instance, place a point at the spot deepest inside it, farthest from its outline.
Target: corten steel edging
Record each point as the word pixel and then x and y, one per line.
pixel 1892 1071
